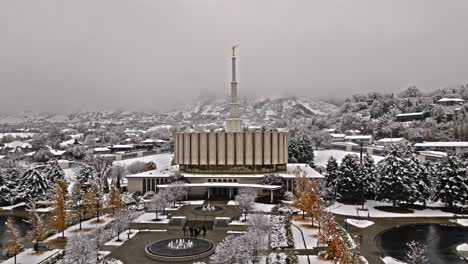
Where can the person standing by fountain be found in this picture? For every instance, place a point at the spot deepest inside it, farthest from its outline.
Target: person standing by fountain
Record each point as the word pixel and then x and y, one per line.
pixel 184 230
pixel 204 230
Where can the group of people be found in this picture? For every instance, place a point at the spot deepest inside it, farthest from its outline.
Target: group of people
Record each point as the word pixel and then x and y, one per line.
pixel 194 231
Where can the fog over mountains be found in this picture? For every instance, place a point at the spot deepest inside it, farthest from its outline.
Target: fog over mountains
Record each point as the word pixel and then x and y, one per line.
pixel 258 111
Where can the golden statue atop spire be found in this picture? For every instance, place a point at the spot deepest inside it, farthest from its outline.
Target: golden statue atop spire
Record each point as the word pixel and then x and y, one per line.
pixel 234 50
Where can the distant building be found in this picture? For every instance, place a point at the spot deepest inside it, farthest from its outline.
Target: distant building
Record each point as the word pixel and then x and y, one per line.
pixel 455 146
pixel 69 143
pixel 416 116
pixel 352 132
pixel 451 101
pixel 390 141
pixel 17 147
pixel 121 148
pixel 101 150
pixel 360 139
pixel 337 137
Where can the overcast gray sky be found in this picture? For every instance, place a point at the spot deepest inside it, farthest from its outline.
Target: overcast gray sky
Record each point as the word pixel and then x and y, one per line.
pixel 152 54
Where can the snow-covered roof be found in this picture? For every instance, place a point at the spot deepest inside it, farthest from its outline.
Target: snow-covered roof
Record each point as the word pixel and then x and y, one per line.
pixel 447 144
pixel 451 100
pixel 67 143
pixel 430 153
pixel 345 144
pixel 334 135
pixel 411 114
pixel 30 154
pixel 57 152
pixel 227 184
pixel 166 171
pixel 390 140
pixel 329 130
pixel 153 141
pixel 122 146
pixel 101 149
pixel 18 144
pixel 1 157
pixel 359 137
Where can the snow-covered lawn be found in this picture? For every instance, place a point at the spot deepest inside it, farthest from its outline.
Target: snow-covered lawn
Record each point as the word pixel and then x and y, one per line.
pixel 30 256
pixel 313 260
pixel 257 207
pixel 123 237
pixel 87 226
pixel 463 222
pixel 322 155
pixel 161 160
pixel 310 233
pixel 149 218
pixel 390 260
pixel 359 223
pixel 351 210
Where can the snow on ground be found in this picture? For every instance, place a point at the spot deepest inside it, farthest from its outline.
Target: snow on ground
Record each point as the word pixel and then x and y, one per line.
pixel 462 247
pixel 123 237
pixel 149 217
pixel 257 207
pixel 359 223
pixel 390 260
pixel 322 155
pixel 29 256
pixel 463 222
pixel 302 259
pixel 310 234
pixel 86 226
pixel 351 210
pixel 161 160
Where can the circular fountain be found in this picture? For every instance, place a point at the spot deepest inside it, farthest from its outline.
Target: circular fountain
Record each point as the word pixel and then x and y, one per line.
pixel 208 209
pixel 180 249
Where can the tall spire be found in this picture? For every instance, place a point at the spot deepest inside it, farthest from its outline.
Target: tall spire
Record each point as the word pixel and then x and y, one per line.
pixel 233 123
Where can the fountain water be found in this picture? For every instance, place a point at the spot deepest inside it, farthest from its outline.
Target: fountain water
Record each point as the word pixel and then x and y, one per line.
pixel 180 244
pixel 208 208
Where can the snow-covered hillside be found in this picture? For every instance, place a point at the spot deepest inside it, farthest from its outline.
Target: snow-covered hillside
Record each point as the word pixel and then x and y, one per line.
pixel 260 111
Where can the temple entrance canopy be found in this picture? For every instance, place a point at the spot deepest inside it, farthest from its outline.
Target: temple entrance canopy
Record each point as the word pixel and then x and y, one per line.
pixel 226 190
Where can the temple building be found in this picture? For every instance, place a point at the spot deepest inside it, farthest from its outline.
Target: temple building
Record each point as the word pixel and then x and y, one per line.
pixel 217 164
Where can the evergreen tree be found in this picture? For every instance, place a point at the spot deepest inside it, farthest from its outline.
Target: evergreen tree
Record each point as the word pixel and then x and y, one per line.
pixel 8 185
pixel 58 220
pixel 369 177
pixel 452 182
pixel 395 177
pixel 33 185
pixel 13 245
pixel 85 174
pixel 301 150
pixel 349 184
pixel 332 173
pixel 53 172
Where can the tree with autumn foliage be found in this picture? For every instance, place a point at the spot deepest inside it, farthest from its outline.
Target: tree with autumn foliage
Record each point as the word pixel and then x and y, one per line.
pixel 114 200
pixel 58 221
pixel 38 229
pixel 89 205
pixel 13 245
pixel 307 197
pixel 76 203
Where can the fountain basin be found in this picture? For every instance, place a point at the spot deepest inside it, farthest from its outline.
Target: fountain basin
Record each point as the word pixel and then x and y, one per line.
pixel 199 248
pixel 214 210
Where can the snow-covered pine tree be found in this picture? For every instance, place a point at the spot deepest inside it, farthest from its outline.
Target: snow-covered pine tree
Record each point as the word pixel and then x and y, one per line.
pixel 395 177
pixel 332 173
pixel 8 186
pixel 33 185
pixel 423 181
pixel 452 182
pixel 369 177
pixel 53 172
pixel 349 184
pixel 301 150
pixel 85 174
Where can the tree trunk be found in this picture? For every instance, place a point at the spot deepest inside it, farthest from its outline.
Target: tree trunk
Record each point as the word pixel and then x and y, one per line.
pixel 312 219
pixel 63 233
pixel 80 221
pixel 394 203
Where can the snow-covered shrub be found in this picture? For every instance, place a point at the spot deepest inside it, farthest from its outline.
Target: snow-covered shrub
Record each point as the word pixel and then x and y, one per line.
pixel 277 258
pixel 278 237
pixel 111 261
pixel 148 195
pixel 288 196
pixel 282 209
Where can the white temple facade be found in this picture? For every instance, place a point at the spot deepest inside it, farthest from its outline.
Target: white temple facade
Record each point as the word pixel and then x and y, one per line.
pixel 217 164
